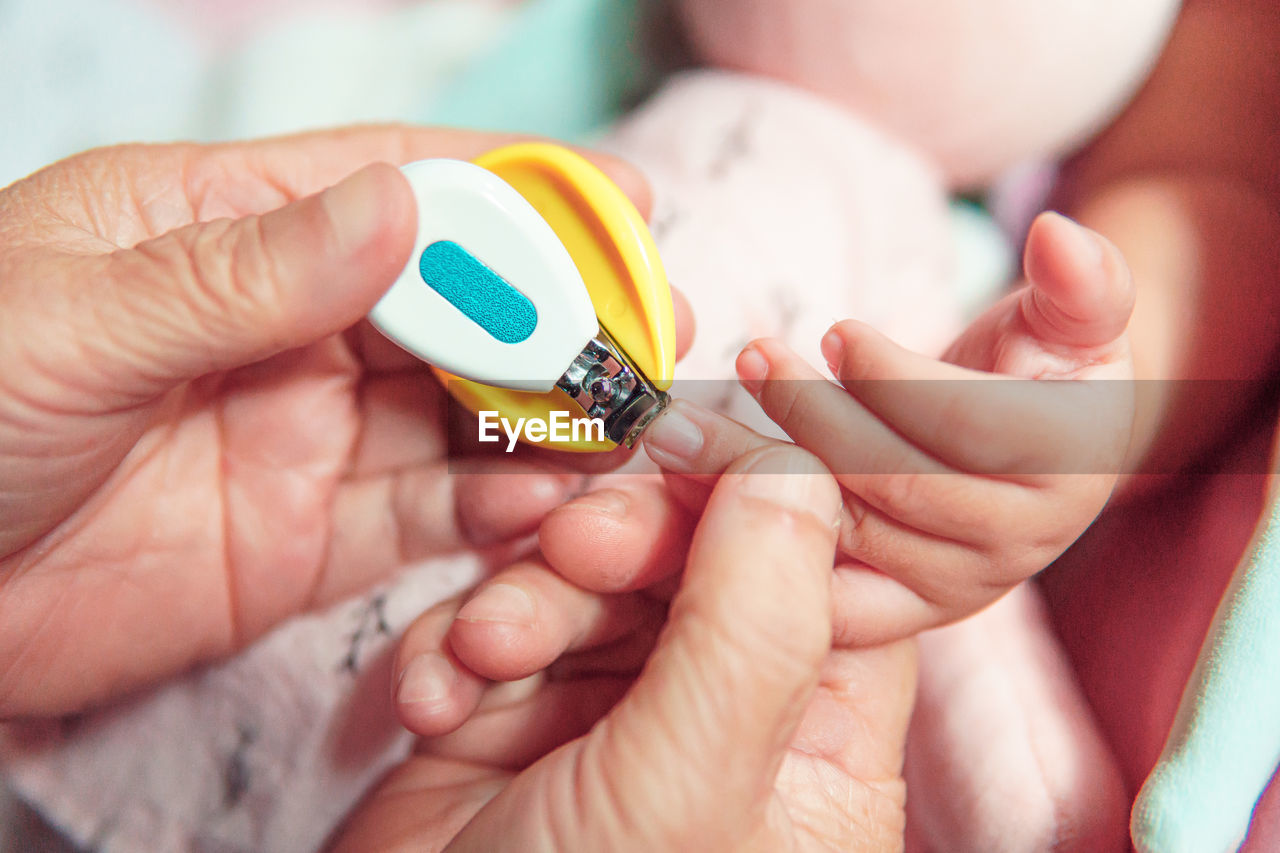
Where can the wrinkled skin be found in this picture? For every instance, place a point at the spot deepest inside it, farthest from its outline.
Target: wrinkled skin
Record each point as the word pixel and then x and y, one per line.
pixel 201 437
pixel 738 729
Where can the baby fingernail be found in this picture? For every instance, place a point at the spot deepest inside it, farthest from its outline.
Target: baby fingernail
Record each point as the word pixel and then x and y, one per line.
pixel 792 479
pixel 753 368
pixel 427 680
pixel 673 435
pixel 499 602
pixel 833 350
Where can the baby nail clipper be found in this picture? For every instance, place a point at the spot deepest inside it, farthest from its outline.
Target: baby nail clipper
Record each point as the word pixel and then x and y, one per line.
pixel 535 282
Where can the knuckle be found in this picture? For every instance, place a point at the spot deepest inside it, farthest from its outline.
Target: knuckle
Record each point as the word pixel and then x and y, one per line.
pixel 867 536
pixel 986 439
pixel 200 263
pixel 901 494
pixel 428 631
pixel 783 652
pixel 854 536
pixel 212 180
pixel 1006 565
pixel 782 398
pixel 229 273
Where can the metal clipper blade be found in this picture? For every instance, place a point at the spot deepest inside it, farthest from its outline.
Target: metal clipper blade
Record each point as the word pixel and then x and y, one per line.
pixel 605 382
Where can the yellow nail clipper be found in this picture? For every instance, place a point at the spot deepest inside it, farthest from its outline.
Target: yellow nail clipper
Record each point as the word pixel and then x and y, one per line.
pixel 534 288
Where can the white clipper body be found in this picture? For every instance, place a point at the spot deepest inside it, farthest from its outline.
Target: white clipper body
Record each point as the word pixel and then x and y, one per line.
pixel 490 294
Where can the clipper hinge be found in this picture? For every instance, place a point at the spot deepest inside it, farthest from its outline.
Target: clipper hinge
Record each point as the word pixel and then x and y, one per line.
pixel 607 385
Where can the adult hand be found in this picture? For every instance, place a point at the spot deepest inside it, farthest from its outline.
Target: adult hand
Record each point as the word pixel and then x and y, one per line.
pixel 743 729
pixel 199 435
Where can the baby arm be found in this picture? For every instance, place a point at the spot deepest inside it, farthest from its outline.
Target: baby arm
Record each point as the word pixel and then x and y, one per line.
pixel 1183 184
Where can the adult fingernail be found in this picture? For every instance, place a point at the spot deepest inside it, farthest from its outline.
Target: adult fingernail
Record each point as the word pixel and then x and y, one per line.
pixel 427 680
pixel 611 502
pixel 753 369
pixel 674 435
pixel 833 350
pixel 356 207
pixel 499 602
pixel 795 480
pixel 550 488
pixel 1082 242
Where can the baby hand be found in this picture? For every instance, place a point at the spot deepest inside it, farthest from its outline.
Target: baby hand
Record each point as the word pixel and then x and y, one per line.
pixel 958 484
pixel 961 477
pixel 960 480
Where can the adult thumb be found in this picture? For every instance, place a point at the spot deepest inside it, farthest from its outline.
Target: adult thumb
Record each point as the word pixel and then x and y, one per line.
pixel 688 759
pixel 217 295
pixel 698 741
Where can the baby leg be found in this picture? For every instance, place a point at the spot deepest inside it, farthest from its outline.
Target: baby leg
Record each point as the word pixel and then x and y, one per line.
pixel 1004 753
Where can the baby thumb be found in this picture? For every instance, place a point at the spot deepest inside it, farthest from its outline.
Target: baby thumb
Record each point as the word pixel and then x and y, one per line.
pixel 217 295
pixel 698 741
pixel 1082 293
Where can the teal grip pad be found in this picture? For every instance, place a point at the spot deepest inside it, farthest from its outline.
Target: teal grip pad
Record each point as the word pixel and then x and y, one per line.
pixel 481 294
